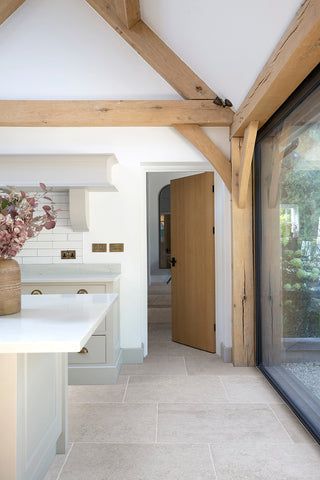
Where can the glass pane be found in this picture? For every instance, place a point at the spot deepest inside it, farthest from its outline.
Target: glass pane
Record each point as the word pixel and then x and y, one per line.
pixel 289 219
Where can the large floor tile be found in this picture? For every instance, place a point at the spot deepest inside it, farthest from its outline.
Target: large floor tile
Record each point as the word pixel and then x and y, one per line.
pixel 160 315
pixel 169 348
pixel 272 462
pixel 138 462
pixel 159 300
pixel 175 389
pixel 249 389
pixel 159 289
pixel 112 423
pixel 209 364
pixel 293 426
pixel 96 393
pixel 179 423
pixel 159 332
pixel 157 365
pixel 159 348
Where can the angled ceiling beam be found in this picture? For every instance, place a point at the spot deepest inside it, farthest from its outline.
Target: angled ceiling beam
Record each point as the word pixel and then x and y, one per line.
pixel 195 135
pixel 294 57
pixel 111 113
pixel 7 7
pixel 154 51
pixel 247 150
pixel 128 11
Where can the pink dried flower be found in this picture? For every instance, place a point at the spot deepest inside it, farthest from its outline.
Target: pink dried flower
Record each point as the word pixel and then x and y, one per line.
pixel 18 222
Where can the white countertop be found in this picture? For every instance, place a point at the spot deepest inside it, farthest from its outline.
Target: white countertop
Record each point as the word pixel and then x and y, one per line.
pixel 68 277
pixel 53 323
pixel 75 273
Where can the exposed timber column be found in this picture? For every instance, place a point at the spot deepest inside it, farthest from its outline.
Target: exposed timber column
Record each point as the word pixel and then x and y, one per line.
pixel 243 325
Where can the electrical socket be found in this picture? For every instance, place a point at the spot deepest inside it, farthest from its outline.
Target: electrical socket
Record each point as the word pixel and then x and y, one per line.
pixel 68 254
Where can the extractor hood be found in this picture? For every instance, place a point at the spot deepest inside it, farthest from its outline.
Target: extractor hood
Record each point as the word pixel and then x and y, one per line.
pixel 79 174
pixel 60 172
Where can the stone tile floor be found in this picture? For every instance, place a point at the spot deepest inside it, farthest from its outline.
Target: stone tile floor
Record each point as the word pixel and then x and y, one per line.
pixel 184 415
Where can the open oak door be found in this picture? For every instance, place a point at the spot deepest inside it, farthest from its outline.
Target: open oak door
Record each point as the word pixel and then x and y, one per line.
pixel 192 261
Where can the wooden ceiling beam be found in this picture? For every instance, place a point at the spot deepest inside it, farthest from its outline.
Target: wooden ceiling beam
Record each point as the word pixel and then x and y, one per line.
pixel 247 150
pixel 128 11
pixel 111 113
pixel 7 7
pixel 155 52
pixel 294 57
pixel 197 137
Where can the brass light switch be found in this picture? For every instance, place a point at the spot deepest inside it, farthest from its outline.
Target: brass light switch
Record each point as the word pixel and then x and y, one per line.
pixel 99 247
pixel 116 247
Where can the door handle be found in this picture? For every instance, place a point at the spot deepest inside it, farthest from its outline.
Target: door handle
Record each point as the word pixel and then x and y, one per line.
pixel 173 261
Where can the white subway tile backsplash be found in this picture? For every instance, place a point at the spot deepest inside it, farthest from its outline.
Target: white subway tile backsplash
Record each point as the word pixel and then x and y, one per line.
pixel 45 237
pixel 64 207
pixel 64 214
pixel 48 252
pixel 37 260
pixel 75 237
pixel 67 245
pixel 33 244
pixel 46 247
pixel 25 252
pixel 62 222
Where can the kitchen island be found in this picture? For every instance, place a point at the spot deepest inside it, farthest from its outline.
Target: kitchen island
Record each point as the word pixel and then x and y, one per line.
pixel 34 377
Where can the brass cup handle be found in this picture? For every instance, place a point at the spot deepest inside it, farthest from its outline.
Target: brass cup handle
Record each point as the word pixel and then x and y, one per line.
pixel 36 292
pixel 84 350
pixel 82 291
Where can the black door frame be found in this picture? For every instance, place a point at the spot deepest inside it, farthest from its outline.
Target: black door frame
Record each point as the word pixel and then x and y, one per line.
pixel 298 96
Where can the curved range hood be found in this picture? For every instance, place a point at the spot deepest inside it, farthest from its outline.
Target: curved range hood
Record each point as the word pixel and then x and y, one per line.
pixel 79 174
pixel 60 172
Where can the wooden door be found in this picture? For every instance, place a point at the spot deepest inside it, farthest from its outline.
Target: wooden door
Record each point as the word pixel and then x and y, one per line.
pixel 193 269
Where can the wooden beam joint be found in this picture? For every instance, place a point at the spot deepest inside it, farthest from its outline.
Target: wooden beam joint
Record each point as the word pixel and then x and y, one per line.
pixel 198 138
pixel 247 151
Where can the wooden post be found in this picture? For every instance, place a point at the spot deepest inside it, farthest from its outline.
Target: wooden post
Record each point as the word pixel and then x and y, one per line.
pixel 243 329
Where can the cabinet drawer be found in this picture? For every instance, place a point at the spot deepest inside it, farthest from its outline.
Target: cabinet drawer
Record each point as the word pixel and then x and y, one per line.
pixel 96 347
pixel 67 288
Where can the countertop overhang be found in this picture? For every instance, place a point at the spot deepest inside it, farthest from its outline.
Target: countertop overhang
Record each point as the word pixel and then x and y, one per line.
pixel 53 323
pixel 68 277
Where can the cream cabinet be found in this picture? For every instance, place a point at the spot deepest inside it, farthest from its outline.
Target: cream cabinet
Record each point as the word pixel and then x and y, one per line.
pixel 99 360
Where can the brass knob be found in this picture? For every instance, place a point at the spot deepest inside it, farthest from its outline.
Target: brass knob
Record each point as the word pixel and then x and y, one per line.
pixel 36 292
pixel 82 291
pixel 84 350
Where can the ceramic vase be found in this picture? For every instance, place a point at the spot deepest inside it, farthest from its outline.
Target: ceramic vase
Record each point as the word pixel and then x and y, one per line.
pixel 10 287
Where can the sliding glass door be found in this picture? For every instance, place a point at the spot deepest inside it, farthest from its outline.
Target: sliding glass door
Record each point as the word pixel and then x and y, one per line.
pixel 287 164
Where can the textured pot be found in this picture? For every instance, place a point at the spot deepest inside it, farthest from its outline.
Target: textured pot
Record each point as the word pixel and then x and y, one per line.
pixel 10 287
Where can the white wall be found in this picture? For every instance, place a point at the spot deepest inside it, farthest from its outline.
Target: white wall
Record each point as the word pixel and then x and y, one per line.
pixel 45 55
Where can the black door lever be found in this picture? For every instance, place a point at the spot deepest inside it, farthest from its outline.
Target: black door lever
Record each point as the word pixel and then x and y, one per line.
pixel 173 261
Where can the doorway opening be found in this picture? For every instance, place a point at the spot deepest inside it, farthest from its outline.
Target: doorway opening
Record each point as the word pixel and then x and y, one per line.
pixel 181 266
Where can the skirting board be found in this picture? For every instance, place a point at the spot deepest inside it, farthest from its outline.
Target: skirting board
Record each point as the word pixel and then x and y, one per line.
pixel 104 374
pixel 226 353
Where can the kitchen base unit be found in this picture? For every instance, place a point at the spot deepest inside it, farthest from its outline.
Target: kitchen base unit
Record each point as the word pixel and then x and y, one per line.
pixel 100 359
pixel 33 376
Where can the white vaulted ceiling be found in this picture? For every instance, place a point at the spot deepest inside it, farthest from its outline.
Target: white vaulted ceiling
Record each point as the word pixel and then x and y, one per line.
pixel 63 49
pixel 226 42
